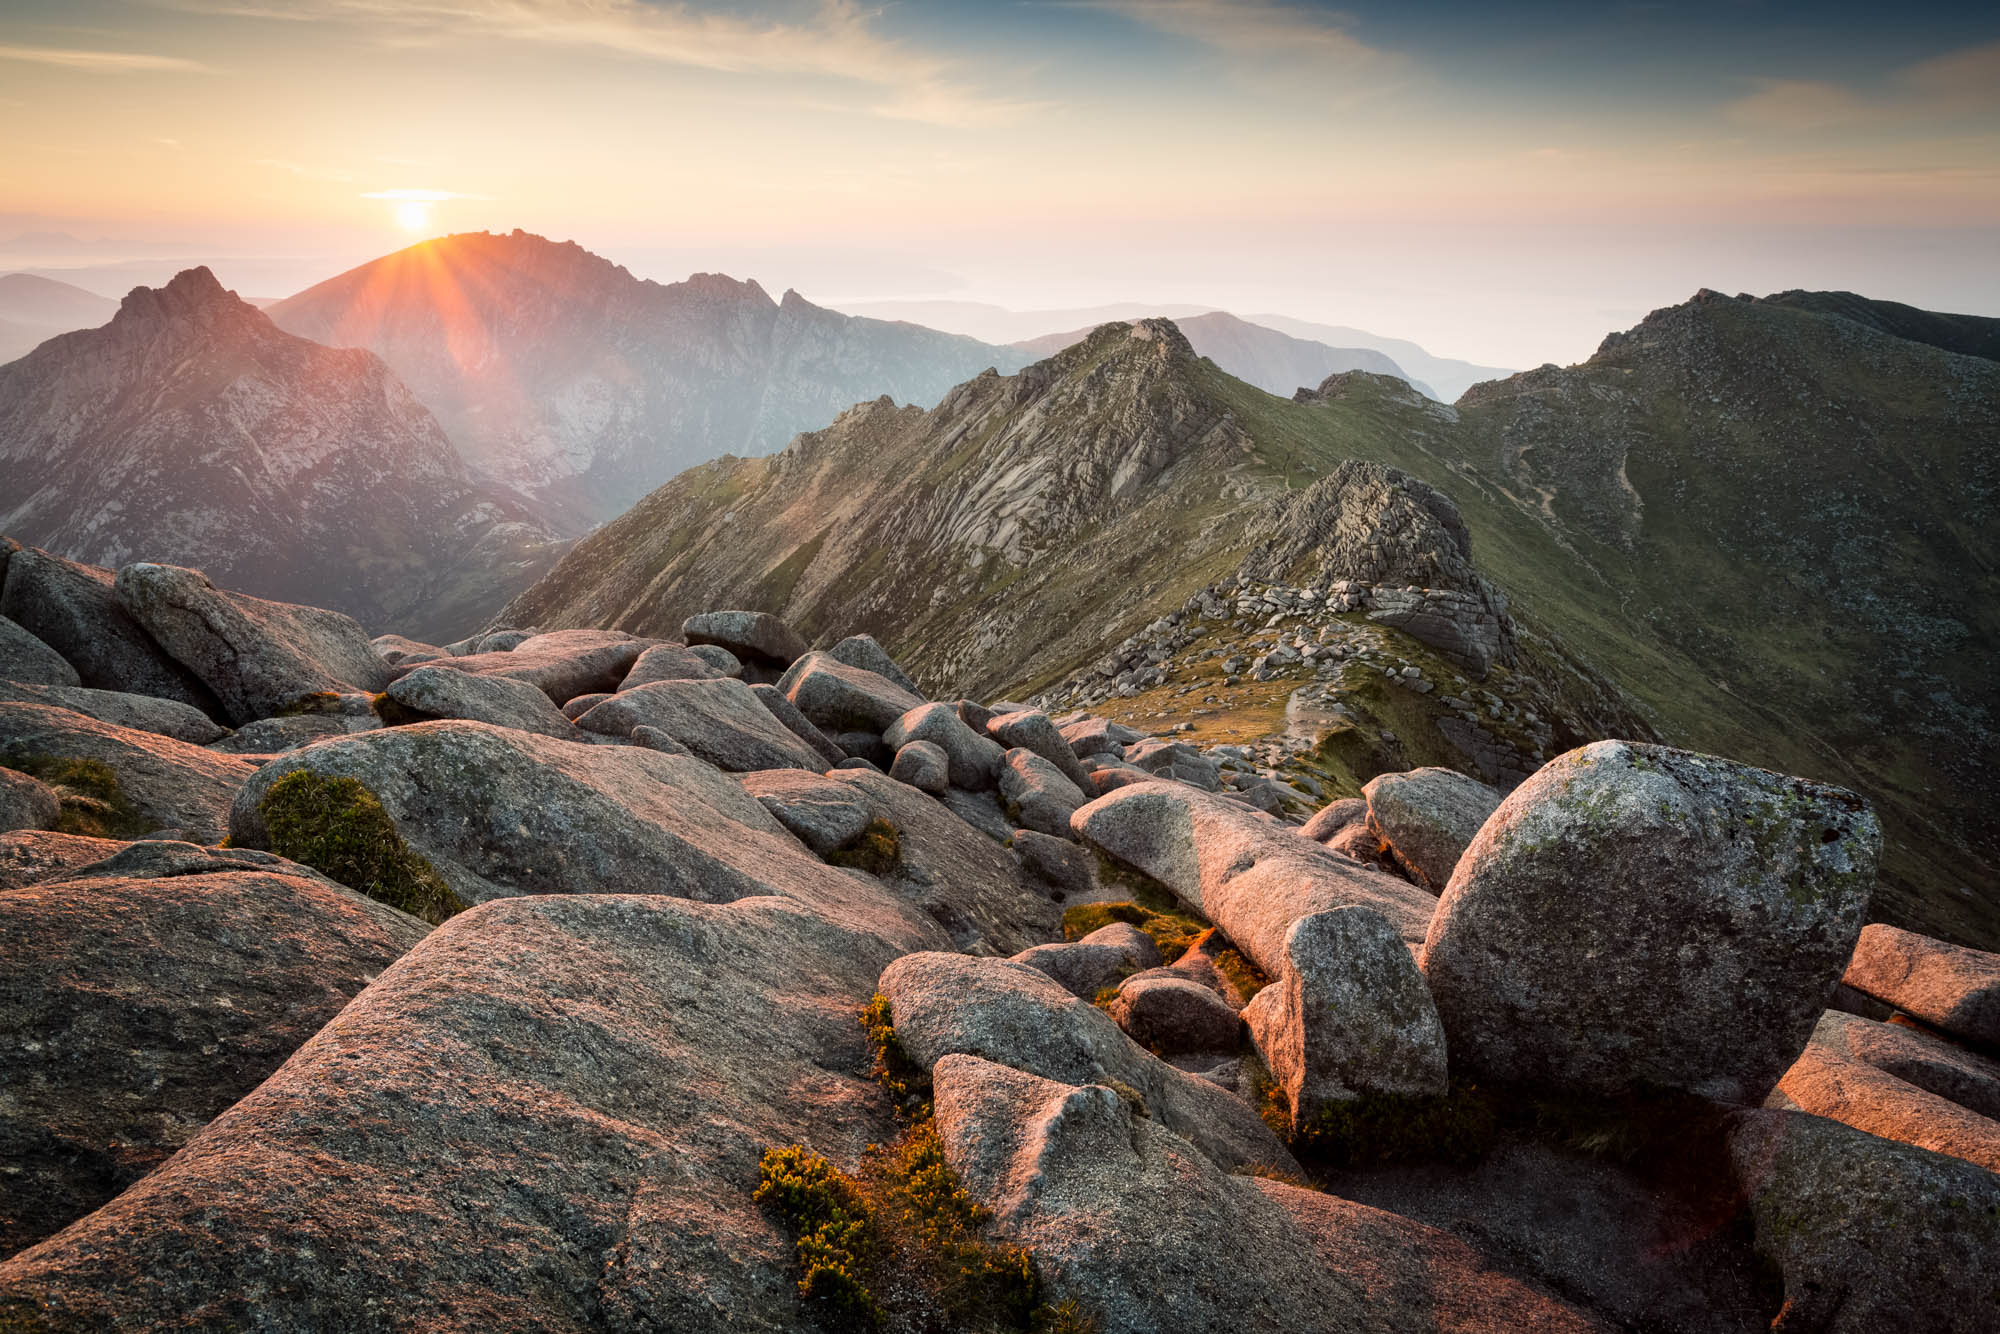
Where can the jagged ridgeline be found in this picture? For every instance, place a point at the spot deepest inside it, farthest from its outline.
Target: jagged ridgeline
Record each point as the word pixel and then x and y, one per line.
pixel 1759 527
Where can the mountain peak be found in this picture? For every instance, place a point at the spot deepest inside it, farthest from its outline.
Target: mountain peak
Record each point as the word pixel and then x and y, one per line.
pixel 189 291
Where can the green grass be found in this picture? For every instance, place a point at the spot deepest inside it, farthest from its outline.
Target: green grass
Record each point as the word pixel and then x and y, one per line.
pixel 878 849
pixel 338 827
pixel 94 803
pixel 1172 931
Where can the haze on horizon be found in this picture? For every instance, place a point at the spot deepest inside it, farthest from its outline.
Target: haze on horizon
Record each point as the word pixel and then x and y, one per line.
pixel 1502 185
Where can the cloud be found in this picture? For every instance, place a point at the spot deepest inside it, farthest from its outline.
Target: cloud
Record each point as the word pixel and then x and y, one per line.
pixel 1961 83
pixel 1251 27
pixel 100 62
pixel 421 196
pixel 833 39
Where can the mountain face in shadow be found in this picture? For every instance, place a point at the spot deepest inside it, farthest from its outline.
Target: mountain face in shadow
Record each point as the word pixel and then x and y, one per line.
pixel 190 429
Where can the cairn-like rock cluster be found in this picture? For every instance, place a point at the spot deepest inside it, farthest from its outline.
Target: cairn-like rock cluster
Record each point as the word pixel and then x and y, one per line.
pixel 524 953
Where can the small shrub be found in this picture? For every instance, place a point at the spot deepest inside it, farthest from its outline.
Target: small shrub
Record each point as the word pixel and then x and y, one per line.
pixel 395 714
pixel 94 803
pixel 338 827
pixel 835 1232
pixel 318 701
pixel 906 1081
pixel 878 849
pixel 974 1278
pixel 1246 977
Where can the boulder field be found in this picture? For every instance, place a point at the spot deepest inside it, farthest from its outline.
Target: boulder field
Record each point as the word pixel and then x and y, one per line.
pixel 590 981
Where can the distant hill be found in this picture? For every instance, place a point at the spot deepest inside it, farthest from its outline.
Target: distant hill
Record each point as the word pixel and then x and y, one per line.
pixel 559 374
pixel 1447 376
pixel 35 309
pixel 190 429
pixel 1275 362
pixel 1750 526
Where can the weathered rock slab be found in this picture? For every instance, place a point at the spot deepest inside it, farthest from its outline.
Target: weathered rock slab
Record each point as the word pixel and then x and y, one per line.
pixel 1427 818
pixel 1947 986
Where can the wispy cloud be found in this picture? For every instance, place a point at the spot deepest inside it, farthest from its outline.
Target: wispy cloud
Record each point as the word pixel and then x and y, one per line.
pixel 1276 43
pixel 100 62
pixel 834 39
pixel 1961 83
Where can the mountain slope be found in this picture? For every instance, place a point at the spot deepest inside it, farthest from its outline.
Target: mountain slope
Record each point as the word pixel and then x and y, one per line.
pixel 34 309
pixel 561 375
pixel 1274 362
pixel 1771 529
pixel 191 430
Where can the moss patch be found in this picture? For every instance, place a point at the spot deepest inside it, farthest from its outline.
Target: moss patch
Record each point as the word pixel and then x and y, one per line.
pixel 878 849
pixel 94 803
pixel 1172 931
pixel 338 827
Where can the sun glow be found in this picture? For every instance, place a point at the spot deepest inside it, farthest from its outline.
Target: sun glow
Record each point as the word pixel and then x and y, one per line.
pixel 413 215
pixel 412 208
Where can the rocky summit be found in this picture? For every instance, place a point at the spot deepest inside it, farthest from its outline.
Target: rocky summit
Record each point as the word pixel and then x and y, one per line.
pixel 714 977
pixel 1762 528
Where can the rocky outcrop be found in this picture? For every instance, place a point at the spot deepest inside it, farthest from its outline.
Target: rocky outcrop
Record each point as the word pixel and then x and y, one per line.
pixel 258 658
pixel 1826 1082
pixel 25 658
pixel 160 990
pixel 718 719
pixel 26 803
pixel 434 692
pixel 1640 916
pixel 71 608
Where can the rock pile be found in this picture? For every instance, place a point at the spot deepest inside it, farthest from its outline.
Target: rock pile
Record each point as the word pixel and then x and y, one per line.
pixel 1115 1005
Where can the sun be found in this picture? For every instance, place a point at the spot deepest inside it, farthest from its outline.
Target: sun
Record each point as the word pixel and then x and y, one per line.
pixel 412 208
pixel 413 215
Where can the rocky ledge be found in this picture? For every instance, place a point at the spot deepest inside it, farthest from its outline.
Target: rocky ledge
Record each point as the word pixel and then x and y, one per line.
pixel 582 981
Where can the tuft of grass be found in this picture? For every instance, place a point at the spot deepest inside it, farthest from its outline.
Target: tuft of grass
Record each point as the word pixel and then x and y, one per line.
pixel 906 1081
pixel 1172 930
pixel 1246 978
pixel 338 827
pixel 94 803
pixel 317 701
pixel 878 849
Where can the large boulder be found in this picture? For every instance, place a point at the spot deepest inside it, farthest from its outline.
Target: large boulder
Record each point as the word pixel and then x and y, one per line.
pixel 668 662
pixel 432 692
pixel 975 760
pixel 1950 1071
pixel 1334 818
pixel 1348 1015
pixel 1427 818
pixel 1019 1016
pixel 1037 794
pixel 1100 959
pixel 26 658
pixel 1131 1222
pixel 1031 730
pixel 144 713
pixel 960 878
pixel 1636 916
pixel 823 814
pixel 923 765
pixel 1867 1234
pixel 26 802
pixel 548 1116
pixel 864 652
pixel 838 697
pixel 1947 986
pixel 1174 1015
pixel 258 657
pixel 500 812
pixel 143 997
pixel 29 855
pixel 719 719
pixel 1240 869
pixel 755 637
pixel 1827 1082
pixel 169 784
pixel 562 664
pixel 328 716
pixel 1099 736
pixel 797 723
pixel 71 607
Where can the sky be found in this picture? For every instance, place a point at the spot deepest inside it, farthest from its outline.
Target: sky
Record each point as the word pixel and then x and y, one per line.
pixel 1502 183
